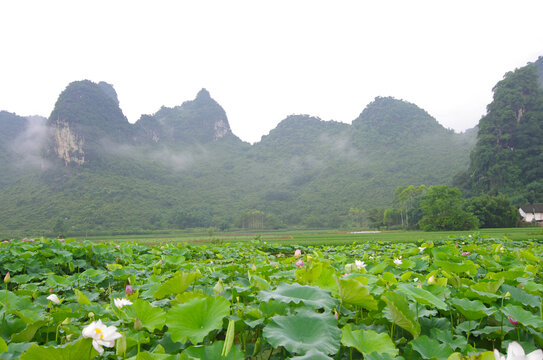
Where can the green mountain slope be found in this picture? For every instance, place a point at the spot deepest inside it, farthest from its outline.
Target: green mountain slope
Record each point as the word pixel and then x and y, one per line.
pixel 183 167
pixel 508 156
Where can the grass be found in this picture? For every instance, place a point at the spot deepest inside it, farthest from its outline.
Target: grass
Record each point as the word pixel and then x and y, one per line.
pixel 319 237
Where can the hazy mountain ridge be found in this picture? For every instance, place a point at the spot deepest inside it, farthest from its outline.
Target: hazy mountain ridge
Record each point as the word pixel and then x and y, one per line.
pixel 183 166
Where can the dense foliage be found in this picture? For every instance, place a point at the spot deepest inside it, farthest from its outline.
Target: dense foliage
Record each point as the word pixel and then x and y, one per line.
pixel 509 151
pixel 182 167
pixel 444 208
pixel 454 299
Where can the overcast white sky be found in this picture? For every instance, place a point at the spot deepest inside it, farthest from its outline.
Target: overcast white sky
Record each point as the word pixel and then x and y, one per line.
pixel 264 60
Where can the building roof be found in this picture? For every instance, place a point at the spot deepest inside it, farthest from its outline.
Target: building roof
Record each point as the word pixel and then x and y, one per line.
pixel 532 208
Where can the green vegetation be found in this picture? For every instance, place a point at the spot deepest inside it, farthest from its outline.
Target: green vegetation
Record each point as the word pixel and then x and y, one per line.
pixel 458 298
pixel 183 168
pixel 509 151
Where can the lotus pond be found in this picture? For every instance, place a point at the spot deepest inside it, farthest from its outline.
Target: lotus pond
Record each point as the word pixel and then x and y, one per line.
pixel 459 298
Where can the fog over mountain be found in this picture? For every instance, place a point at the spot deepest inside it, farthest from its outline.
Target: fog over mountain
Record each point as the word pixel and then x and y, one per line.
pixel 183 166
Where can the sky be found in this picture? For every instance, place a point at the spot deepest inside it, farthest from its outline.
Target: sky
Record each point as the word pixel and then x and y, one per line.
pixel 265 60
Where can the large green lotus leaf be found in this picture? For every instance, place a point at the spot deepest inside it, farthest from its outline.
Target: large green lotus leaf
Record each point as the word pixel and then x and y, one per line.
pixel 354 292
pixel 320 274
pixel 10 300
pixel 521 296
pixel 472 310
pixel 151 317
pixel 506 275
pixel 312 355
pixel 28 333
pixel 487 355
pixel 144 355
pixel 213 352
pixel 430 348
pixel 377 356
pixel 368 341
pixel 401 314
pixel 488 286
pixel 422 296
pixel 176 285
pixel 193 320
pixel 467 267
pixel 445 336
pixel 80 350
pixel 3 346
pixel 533 287
pixel 524 317
pixel 304 331
pixel 296 293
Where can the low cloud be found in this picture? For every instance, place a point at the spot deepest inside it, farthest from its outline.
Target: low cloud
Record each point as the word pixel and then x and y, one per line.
pixel 29 144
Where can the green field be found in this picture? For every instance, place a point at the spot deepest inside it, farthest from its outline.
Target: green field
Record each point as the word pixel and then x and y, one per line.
pixel 320 237
pixel 273 296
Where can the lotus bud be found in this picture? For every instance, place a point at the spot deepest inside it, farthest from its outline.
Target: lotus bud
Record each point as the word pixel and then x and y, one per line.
pixel 129 289
pixel 512 321
pixel 121 346
pixel 137 324
pixel 7 278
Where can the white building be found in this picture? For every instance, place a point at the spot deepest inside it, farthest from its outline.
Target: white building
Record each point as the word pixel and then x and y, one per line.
pixel 532 213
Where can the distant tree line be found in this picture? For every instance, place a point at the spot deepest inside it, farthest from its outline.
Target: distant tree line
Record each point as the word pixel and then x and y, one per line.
pixel 442 207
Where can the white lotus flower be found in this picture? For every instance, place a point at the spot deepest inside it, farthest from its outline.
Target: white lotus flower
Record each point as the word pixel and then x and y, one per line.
pixel 397 261
pixel 297 253
pixel 421 249
pixel 119 303
pixel 101 335
pixel 54 298
pixel 359 264
pixel 516 352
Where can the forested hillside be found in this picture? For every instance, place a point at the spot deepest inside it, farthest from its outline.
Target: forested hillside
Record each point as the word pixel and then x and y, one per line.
pixel 183 167
pixel 508 156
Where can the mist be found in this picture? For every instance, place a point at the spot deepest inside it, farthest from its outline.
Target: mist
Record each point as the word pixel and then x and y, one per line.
pixel 28 145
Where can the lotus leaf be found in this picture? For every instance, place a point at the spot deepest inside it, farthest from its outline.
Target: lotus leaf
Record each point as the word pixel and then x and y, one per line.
pixel 151 317
pixel 430 348
pixel 296 293
pixel 352 291
pixel 368 341
pixel 81 350
pixel 213 352
pixel 176 285
pixel 524 317
pixel 193 320
pixel 472 310
pixel 304 331
pixel 312 355
pixel 401 314
pixel 422 296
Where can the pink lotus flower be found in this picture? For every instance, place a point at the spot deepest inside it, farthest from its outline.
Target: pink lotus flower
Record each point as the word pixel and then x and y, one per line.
pixel 300 263
pixel 129 289
pixel 512 321
pixel 298 253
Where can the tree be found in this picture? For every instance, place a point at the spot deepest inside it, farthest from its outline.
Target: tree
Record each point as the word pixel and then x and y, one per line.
pixel 356 217
pixel 404 200
pixel 493 211
pixel 443 209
